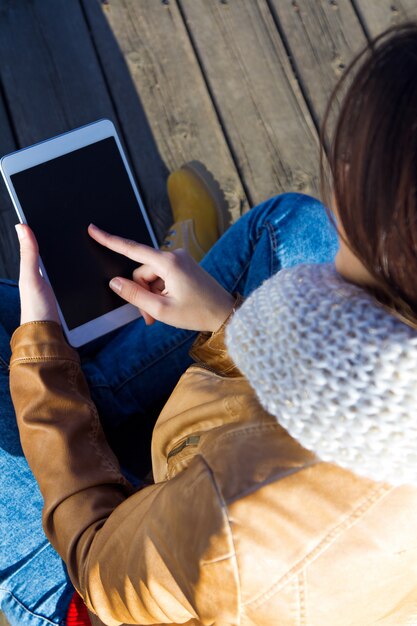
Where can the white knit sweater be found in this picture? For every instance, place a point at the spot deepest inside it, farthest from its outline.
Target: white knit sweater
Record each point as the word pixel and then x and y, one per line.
pixel 336 369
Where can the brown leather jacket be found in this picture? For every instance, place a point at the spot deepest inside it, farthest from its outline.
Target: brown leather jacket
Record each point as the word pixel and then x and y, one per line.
pixel 243 525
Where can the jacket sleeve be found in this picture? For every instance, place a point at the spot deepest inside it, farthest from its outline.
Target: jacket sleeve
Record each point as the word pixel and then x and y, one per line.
pixel 143 557
pixel 210 349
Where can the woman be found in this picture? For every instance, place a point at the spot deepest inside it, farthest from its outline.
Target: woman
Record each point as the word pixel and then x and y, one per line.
pixel 284 495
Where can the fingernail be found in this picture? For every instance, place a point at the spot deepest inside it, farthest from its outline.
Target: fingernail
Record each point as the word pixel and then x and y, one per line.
pixel 115 284
pixel 97 228
pixel 21 233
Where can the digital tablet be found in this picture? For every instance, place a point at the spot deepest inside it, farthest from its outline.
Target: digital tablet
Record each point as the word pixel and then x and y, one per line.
pixel 58 187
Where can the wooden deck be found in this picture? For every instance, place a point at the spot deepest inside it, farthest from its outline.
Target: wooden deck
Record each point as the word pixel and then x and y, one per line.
pixel 238 84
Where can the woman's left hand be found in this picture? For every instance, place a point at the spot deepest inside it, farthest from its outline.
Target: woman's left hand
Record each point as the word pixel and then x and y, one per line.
pixel 37 300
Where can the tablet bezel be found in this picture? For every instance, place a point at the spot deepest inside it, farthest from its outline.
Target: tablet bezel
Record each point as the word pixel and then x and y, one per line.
pixel 51 149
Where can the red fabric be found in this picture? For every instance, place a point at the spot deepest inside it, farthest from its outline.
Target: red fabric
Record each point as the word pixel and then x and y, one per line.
pixel 77 612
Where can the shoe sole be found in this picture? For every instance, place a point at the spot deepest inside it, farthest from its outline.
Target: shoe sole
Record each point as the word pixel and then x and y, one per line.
pixel 213 188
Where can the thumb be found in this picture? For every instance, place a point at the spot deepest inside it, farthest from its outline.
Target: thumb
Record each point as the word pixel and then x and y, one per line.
pixel 29 254
pixel 151 303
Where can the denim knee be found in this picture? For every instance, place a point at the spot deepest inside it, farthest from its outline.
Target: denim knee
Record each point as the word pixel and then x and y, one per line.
pixel 301 227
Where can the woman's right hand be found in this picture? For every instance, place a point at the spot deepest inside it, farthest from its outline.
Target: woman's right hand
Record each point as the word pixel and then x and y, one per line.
pixel 169 286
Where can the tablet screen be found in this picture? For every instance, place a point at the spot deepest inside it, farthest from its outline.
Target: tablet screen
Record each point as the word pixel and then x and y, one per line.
pixel 59 199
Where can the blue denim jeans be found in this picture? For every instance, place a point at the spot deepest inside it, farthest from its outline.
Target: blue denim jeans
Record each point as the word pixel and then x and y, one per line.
pixel 131 372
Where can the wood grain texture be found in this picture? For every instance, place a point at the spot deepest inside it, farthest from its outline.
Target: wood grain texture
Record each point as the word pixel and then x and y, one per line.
pixel 49 69
pixel 51 80
pixel 9 250
pixel 148 166
pixel 323 38
pixel 378 15
pixel 171 90
pixel 257 95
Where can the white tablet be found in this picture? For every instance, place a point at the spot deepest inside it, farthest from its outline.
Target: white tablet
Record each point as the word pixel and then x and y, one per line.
pixel 58 187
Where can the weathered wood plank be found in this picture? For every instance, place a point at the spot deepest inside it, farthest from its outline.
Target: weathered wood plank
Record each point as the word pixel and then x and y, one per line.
pixel 50 75
pixel 257 95
pixel 322 37
pixel 9 252
pixel 50 71
pixel 379 15
pixel 170 86
pixel 150 169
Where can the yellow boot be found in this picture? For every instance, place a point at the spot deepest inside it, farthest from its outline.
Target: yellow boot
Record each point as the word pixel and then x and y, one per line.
pixel 199 210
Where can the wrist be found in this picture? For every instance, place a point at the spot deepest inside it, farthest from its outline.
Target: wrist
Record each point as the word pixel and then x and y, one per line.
pixel 226 312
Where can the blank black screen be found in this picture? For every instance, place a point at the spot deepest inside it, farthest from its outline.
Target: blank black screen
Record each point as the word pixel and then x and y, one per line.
pixel 59 199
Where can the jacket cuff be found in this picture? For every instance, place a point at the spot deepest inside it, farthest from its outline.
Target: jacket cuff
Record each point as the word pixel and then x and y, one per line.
pixel 210 350
pixel 41 340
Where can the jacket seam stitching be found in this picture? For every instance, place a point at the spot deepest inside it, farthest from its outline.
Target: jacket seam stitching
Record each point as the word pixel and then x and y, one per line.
pixel 238 431
pixel 230 533
pixel 205 447
pixel 325 543
pixel 248 429
pixel 302 598
pixel 276 477
pixel 202 366
pixel 28 359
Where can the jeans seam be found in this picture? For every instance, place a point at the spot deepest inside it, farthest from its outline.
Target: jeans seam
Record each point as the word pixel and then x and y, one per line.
pixel 235 284
pixel 276 265
pixel 274 243
pixel 295 202
pixel 142 369
pixel 25 608
pixel 4 364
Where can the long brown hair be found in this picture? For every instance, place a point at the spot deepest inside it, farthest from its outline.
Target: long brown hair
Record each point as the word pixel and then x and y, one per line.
pixel 373 164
